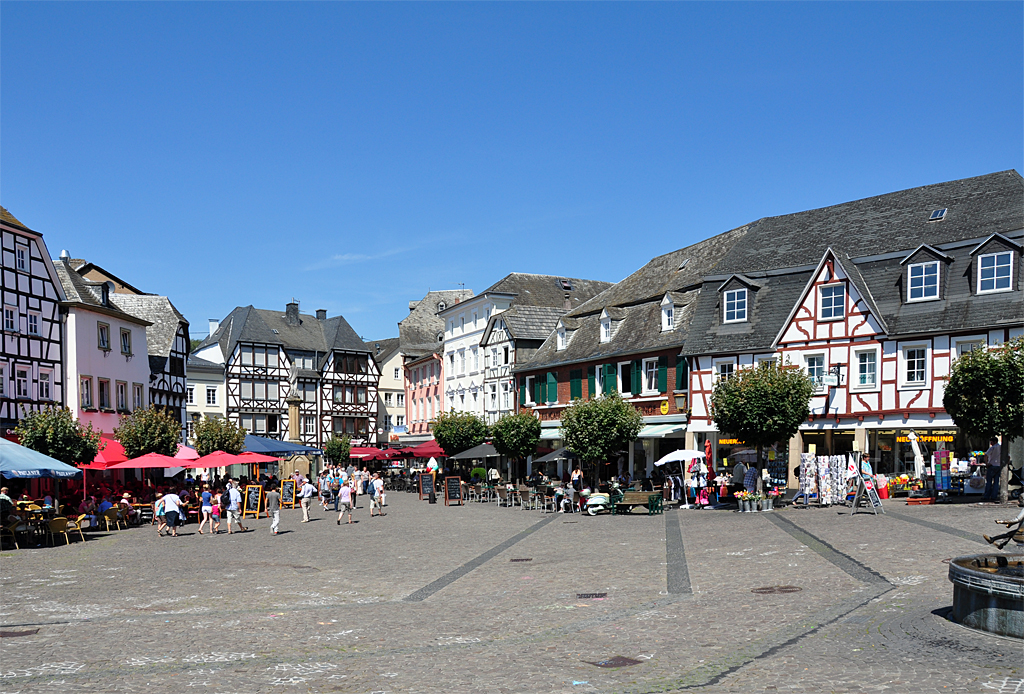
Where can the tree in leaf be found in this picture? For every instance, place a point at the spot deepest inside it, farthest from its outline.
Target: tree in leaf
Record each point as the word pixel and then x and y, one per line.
pixel 152 430
pixel 459 431
pixel 597 429
pixel 218 434
pixel 337 450
pixel 516 435
pixel 56 432
pixel 984 395
pixel 762 405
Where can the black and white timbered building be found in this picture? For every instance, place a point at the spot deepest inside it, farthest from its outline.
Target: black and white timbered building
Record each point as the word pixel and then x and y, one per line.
pixel 31 372
pixel 271 355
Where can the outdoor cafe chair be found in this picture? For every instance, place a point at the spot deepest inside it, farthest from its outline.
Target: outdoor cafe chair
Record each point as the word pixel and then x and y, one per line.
pixel 548 500
pixel 57 526
pixel 515 494
pixel 11 532
pixel 474 493
pixel 76 524
pixel 110 516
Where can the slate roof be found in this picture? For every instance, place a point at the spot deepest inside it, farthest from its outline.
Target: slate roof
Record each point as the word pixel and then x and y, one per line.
pixel 383 349
pixel 545 290
pixel 197 364
pixel 530 322
pixel 417 332
pixel 79 290
pixel 160 312
pixel 9 218
pixel 250 324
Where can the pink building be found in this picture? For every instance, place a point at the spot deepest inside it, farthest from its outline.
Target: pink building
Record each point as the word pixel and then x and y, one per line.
pixel 423 379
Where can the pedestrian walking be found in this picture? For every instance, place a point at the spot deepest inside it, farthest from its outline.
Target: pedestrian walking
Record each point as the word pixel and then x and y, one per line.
pixel 158 514
pixel 172 512
pixel 234 506
pixel 206 508
pixel 274 509
pixel 215 512
pixel 306 499
pixel 376 491
pixel 993 466
pixel 345 496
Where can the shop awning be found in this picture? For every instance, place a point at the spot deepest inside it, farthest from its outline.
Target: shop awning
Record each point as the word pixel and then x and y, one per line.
pixel 550 434
pixel 658 431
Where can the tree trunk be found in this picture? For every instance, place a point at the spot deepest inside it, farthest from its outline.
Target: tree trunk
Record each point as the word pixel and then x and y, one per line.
pixel 1004 471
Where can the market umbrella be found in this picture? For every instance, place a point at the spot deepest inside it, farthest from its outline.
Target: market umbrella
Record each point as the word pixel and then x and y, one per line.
pixel 111 453
pixel 261 444
pixel 150 460
pixel 365 453
pixel 484 450
pixel 18 461
pixel 684 456
pixel 186 453
pixel 562 453
pixel 250 457
pixel 429 449
pixel 215 459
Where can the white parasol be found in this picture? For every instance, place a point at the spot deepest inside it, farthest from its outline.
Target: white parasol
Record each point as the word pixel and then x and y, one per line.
pixel 679 455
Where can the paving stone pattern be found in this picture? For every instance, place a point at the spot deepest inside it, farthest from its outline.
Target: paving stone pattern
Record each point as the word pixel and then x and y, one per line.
pixel 429 599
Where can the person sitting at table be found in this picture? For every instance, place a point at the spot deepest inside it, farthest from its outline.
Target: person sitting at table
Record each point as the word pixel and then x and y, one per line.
pixel 88 508
pixel 104 505
pixel 7 510
pixel 127 510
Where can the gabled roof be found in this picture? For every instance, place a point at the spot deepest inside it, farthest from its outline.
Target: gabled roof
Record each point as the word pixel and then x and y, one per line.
pixel 250 324
pixel 197 364
pixel 88 294
pixel 417 332
pixel 8 218
pixel 545 290
pixel 83 268
pixel 165 320
pixel 525 322
pixel 382 350
pixel 929 249
pixel 742 279
pixel 995 237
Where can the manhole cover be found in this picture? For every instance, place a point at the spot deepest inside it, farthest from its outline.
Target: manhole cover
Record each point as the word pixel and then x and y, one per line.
pixel 591 596
pixel 775 590
pixel 12 634
pixel 515 560
pixel 617 661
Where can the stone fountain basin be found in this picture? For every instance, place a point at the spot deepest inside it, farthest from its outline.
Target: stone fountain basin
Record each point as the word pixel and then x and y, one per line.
pixel 988 593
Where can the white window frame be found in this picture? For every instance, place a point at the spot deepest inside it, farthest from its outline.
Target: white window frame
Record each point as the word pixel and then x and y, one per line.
pixel 854 376
pixel 735 297
pixel 21 257
pixel 773 358
pixel 85 392
pixel 623 391
pixel 308 424
pixel 924 271
pixel 529 390
pixel 126 346
pixel 190 395
pixel 121 396
pixel 901 375
pixel 821 302
pixel 819 386
pixel 717 365
pixel 399 420
pixel 23 386
pixel 645 367
pixel 45 377
pixel 138 396
pixel 559 340
pixel 398 373
pixel 211 396
pixel 668 312
pixel 388 400
pixel 99 394
pixel 11 318
pixel 506 402
pixel 32 327
pixel 995 277
pixel 956 351
pixel 606 329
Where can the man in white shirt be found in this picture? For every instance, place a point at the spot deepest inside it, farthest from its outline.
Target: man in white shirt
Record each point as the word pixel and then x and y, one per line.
pixel 172 509
pixel 305 499
pixel 376 492
pixel 235 506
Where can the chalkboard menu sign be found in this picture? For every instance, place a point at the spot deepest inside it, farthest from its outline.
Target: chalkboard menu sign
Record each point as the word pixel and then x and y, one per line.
pixel 452 490
pixel 866 492
pixel 426 486
pixel 253 500
pixel 288 494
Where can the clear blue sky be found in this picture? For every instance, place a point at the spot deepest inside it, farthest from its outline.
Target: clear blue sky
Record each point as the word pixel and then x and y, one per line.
pixel 356 155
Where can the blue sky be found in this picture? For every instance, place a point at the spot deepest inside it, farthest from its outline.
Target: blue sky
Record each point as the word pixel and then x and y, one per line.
pixel 354 156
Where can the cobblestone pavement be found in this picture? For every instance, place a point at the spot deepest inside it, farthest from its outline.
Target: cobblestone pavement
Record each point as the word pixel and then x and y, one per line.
pixel 486 599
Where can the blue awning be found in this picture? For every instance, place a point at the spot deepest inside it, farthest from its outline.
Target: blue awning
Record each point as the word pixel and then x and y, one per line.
pixel 18 461
pixel 261 444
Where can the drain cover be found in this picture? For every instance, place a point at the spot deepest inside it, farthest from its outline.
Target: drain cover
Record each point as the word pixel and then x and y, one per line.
pixel 591 596
pixel 515 560
pixel 617 661
pixel 12 634
pixel 775 590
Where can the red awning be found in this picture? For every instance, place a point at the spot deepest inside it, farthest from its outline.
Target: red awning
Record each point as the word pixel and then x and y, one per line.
pixel 428 449
pixel 150 460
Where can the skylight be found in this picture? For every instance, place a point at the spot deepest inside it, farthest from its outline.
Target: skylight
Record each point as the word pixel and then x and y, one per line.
pixel 565 284
pixel 938 215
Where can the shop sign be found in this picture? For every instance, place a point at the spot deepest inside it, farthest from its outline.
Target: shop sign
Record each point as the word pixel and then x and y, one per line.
pixel 664 406
pixel 730 442
pixel 829 380
pixel 933 437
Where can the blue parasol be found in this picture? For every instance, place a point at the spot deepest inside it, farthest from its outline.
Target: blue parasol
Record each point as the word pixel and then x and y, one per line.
pixel 21 462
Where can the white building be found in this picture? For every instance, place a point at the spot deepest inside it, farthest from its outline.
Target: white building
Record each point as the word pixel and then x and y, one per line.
pixel 466 362
pixel 106 352
pixel 390 389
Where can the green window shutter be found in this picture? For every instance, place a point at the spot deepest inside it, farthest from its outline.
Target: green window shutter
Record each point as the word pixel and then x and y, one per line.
pixel 523 399
pixel 663 374
pixel 552 386
pixel 575 384
pixel 538 389
pixel 591 382
pixel 609 379
pixel 682 372
pixel 636 373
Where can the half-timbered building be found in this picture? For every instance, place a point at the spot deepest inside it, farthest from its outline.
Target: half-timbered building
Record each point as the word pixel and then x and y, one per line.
pixel 874 299
pixel 167 338
pixel 31 357
pixel 271 355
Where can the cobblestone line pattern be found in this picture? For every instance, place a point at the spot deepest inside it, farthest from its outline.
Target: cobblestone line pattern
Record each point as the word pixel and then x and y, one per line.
pixel 973 537
pixel 677 575
pixel 452 576
pixel 829 553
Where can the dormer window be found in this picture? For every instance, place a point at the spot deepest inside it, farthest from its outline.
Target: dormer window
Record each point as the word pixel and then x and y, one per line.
pixel 832 302
pixel 668 314
pixel 441 306
pixel 735 305
pixel 560 340
pixel 606 329
pixel 923 281
pixel 994 272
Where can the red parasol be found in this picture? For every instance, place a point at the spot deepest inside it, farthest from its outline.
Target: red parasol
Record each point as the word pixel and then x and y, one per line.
pixel 150 460
pixel 249 457
pixel 215 459
pixel 429 449
pixel 186 453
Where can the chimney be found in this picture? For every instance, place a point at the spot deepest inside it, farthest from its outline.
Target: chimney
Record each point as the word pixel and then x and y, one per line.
pixel 214 324
pixel 65 257
pixel 321 314
pixel 291 313
pixel 567 304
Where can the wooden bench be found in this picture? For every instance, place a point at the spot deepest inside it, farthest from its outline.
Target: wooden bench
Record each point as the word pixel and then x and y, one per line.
pixel 652 501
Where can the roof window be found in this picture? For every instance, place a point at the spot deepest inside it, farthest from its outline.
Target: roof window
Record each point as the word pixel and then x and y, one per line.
pixel 938 215
pixel 565 284
pixel 275 331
